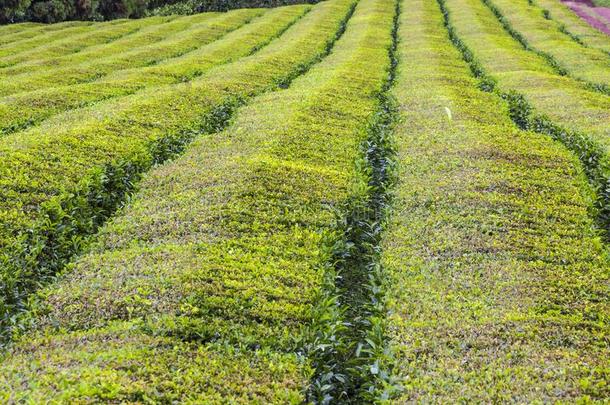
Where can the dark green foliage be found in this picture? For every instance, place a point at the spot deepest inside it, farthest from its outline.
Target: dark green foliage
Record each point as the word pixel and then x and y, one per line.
pixel 52 11
pixel 13 10
pixel 111 9
pixel 161 7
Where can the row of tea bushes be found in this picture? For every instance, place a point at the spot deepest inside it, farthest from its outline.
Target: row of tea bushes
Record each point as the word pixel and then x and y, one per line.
pixel 61 180
pixel 206 286
pixel 26 109
pixel 96 65
pixel 497 280
pixel 536 32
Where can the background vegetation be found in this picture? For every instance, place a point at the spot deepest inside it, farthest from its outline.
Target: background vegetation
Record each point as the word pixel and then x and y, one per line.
pixel 50 11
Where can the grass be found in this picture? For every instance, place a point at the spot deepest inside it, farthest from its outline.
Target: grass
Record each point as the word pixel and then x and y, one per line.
pixel 541 34
pixel 20 111
pixel 577 26
pixel 218 263
pixel 496 276
pixel 85 169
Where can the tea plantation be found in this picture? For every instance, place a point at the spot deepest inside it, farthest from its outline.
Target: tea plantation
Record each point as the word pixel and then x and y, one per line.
pixel 354 201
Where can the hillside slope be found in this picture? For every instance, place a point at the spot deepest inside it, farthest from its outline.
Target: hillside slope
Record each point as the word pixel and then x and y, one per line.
pixel 355 201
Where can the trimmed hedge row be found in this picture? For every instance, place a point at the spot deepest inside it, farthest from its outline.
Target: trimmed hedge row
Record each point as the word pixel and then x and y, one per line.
pixel 497 280
pixel 543 35
pixel 61 180
pixel 574 25
pixel 563 100
pixel 70 40
pixel 199 34
pixel 22 110
pixel 6 30
pixel 26 31
pixel 223 253
pixel 542 100
pixel 31 36
pixel 146 36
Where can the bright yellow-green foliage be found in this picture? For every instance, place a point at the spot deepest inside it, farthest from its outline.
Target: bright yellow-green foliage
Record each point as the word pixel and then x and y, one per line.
pixel 25 31
pixel 95 65
pixel 349 202
pixel 22 110
pixel 153 33
pixel 497 283
pixel 70 40
pixel 564 100
pixel 205 283
pixel 588 64
pixel 115 364
pixel 22 40
pixel 540 99
pixel 13 32
pixel 575 25
pixel 60 180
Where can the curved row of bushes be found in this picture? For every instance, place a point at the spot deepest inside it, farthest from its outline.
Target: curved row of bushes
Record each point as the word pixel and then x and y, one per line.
pixel 207 287
pixel 497 279
pixel 22 110
pixel 61 180
pixel 540 98
pixel 535 32
pixel 97 66
pixel 160 29
pixel 70 71
pixel 25 31
pixel 69 38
